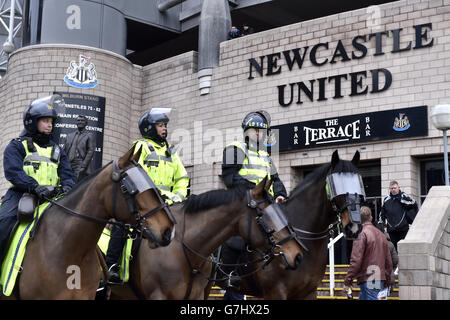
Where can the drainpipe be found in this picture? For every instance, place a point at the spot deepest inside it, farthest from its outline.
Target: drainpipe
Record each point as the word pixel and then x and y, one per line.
pixel 215 22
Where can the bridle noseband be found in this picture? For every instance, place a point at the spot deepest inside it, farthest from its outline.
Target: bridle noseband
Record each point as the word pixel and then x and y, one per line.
pixel 352 203
pixel 270 220
pixel 133 180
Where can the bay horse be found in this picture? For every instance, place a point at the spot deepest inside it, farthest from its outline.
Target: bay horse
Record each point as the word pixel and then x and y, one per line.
pixel 181 270
pixel 61 259
pixel 327 197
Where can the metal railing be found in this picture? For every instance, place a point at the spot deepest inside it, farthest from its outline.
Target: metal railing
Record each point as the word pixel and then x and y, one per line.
pixel 331 260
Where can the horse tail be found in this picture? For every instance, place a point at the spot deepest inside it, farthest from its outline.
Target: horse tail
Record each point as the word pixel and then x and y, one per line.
pixel 103 265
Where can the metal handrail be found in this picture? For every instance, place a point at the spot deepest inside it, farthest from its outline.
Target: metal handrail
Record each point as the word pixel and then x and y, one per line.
pixel 331 260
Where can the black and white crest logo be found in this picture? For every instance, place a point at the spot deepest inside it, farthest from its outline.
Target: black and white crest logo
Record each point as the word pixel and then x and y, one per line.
pixel 81 75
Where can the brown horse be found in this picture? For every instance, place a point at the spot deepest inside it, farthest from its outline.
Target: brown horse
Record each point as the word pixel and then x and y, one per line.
pixel 181 270
pixel 329 196
pixel 61 260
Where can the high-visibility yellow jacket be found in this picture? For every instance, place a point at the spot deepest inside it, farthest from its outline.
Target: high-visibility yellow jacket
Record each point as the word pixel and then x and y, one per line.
pixel 167 172
pixel 256 165
pixel 40 166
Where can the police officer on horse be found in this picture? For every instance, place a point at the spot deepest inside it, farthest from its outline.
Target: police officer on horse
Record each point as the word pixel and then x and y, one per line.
pixel 33 163
pixel 163 166
pixel 246 164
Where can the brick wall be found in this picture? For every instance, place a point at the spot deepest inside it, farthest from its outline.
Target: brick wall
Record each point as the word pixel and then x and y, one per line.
pixel 424 255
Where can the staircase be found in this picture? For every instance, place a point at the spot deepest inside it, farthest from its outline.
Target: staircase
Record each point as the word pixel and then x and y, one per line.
pixel 323 291
pixel 340 271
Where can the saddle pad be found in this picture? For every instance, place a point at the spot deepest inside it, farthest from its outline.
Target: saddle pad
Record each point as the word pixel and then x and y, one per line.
pixel 103 243
pixel 12 263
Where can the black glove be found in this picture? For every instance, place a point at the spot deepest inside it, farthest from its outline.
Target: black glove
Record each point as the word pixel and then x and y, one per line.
pixel 44 191
pixel 66 189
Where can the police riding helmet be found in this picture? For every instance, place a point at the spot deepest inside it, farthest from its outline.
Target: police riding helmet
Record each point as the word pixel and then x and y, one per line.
pixel 39 108
pixel 255 120
pixel 148 121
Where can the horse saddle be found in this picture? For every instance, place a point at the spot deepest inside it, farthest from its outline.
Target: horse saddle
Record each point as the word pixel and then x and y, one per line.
pixel 25 208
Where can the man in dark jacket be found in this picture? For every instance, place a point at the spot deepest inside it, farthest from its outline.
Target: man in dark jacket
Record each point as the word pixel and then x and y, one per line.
pixel 370 262
pixel 398 212
pixel 246 29
pixel 80 148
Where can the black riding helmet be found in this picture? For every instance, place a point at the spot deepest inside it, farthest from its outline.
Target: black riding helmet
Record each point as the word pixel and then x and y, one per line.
pixel 255 120
pixel 149 119
pixel 40 108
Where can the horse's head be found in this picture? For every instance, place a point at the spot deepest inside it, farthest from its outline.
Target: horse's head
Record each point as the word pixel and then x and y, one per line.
pixel 345 191
pixel 276 233
pixel 147 211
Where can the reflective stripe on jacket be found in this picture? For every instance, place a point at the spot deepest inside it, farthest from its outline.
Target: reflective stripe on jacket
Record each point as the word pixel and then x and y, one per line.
pixel 166 171
pixel 39 165
pixel 256 166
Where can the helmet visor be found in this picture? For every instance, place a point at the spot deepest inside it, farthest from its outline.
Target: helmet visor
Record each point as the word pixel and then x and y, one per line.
pixel 159 115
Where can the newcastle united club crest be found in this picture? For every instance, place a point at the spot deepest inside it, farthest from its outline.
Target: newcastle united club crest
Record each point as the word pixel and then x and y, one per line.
pixel 81 75
pixel 401 123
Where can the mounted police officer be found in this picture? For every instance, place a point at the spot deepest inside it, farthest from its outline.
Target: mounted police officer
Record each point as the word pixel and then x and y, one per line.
pixel 163 166
pixel 33 163
pixel 246 164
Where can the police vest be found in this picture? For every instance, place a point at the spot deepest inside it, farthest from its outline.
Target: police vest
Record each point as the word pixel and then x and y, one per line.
pixel 256 166
pixel 42 163
pixel 162 167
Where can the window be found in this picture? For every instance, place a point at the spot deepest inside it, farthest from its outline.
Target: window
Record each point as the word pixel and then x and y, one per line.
pixel 431 174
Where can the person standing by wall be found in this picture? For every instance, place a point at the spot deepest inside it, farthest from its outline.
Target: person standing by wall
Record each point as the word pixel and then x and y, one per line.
pixel 398 212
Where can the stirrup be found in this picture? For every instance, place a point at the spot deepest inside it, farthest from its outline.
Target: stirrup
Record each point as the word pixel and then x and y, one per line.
pixel 114 277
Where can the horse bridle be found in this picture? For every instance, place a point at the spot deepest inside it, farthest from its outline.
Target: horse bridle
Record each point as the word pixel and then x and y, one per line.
pixel 352 204
pixel 268 230
pixel 271 220
pixel 132 180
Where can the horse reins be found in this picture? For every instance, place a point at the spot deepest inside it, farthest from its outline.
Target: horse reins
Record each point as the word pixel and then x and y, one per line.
pixel 130 229
pixel 267 257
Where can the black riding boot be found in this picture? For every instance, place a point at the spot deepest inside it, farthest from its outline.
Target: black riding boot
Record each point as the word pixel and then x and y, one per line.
pixel 231 251
pixel 114 253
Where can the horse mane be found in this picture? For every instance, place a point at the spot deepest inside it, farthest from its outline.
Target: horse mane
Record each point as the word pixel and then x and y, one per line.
pixel 87 180
pixel 212 199
pixel 321 172
pixel 317 174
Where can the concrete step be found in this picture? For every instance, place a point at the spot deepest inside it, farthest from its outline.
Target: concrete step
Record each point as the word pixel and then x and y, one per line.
pixel 323 291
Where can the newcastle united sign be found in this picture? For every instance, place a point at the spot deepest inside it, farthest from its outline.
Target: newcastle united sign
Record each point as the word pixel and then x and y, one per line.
pixel 374 126
pixel 359 82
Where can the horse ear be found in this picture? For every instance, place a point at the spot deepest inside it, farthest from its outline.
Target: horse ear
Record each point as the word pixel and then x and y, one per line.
pixel 355 159
pixel 135 156
pixel 268 183
pixel 258 190
pixel 126 159
pixel 334 158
